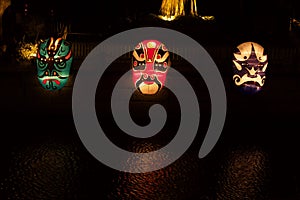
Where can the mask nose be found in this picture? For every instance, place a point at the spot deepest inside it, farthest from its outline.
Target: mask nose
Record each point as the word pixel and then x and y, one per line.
pixel 149 71
pixel 50 64
pixel 252 71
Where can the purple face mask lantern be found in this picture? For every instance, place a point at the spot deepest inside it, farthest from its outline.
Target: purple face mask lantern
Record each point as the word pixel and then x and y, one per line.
pixel 249 66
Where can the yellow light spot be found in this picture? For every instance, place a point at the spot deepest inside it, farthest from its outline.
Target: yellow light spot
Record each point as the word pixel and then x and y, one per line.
pixel 208 18
pixel 27 51
pixel 151 44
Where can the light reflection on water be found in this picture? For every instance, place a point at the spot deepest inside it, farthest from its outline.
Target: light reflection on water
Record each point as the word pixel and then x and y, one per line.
pixel 54 170
pixel 180 180
pixel 244 175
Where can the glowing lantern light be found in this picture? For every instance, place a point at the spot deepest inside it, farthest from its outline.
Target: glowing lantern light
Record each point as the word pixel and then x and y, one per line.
pixel 54 59
pixel 149 66
pixel 249 65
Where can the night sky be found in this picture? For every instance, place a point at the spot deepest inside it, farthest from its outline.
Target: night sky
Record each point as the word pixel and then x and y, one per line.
pixel 110 10
pixel 238 18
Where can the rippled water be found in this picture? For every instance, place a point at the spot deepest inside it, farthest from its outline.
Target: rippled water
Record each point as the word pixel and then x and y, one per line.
pixel 53 164
pixel 245 174
pixel 181 180
pixel 43 171
pixel 58 170
pixel 62 170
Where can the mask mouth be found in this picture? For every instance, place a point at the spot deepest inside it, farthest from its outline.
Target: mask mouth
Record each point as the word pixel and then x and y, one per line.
pixel 56 79
pixel 44 76
pixel 252 84
pixel 149 89
pixel 57 82
pixel 148 85
pixel 148 81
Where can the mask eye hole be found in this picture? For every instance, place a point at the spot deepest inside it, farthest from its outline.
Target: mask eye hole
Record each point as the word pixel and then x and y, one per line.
pixel 161 67
pixel 60 63
pixel 138 66
pixel 42 62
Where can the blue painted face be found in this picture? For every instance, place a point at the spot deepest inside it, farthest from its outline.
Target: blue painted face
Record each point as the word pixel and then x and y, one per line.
pixel 54 60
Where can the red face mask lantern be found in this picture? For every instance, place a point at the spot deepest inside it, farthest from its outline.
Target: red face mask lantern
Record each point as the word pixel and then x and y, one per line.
pixel 150 64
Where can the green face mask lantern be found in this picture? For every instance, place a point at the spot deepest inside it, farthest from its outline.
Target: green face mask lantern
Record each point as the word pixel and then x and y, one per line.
pixel 54 60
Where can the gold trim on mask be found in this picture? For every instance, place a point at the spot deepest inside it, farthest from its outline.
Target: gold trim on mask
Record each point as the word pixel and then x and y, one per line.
pixel 264 68
pixel 245 52
pixel 137 57
pixel 163 58
pixel 237 65
pixel 152 45
pixel 245 78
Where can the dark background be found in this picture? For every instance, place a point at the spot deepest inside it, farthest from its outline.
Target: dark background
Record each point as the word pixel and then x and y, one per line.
pixel 260 15
pixel 256 156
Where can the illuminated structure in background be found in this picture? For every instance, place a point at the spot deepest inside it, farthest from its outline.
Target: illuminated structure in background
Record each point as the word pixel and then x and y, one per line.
pixel 172 9
pixel 54 60
pixel 249 65
pixel 27 51
pixel 150 64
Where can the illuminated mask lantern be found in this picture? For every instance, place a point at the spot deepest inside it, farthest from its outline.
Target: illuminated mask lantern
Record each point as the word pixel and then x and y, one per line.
pixel 54 60
pixel 249 65
pixel 150 64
